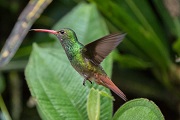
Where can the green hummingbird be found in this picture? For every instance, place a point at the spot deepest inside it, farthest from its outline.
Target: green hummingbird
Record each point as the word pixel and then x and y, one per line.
pixel 86 59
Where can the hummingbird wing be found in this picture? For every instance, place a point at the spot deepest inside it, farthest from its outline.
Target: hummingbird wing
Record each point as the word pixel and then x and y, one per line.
pixel 99 49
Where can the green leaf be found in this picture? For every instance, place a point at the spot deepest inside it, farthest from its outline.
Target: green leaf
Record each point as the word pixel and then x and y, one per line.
pixel 85 21
pixel 165 16
pixel 129 16
pixel 93 105
pixel 139 109
pixel 53 82
pixel 130 61
pixel 51 88
pixel 105 94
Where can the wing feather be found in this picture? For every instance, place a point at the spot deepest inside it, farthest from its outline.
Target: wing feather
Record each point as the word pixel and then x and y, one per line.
pixel 99 49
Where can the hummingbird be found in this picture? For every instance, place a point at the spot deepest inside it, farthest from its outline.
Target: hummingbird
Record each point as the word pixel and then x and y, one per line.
pixel 86 59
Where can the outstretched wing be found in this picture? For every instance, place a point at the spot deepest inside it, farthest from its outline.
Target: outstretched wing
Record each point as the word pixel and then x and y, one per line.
pixel 99 49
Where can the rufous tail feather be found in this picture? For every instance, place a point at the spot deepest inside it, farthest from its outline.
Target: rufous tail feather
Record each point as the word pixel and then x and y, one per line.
pixel 109 84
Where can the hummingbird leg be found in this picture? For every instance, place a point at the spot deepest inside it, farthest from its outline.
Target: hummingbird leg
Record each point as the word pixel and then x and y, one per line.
pixel 84 82
pixel 86 78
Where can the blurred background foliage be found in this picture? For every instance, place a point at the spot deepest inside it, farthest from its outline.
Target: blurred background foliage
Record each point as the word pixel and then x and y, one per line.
pixel 146 64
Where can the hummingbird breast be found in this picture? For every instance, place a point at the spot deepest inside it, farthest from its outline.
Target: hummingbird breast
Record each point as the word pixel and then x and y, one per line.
pixel 86 67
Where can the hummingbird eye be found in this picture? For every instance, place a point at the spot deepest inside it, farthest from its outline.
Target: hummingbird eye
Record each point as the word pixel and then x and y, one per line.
pixel 62 31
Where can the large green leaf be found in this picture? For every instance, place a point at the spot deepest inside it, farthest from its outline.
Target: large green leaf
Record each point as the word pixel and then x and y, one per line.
pixel 139 109
pixel 56 86
pixel 49 76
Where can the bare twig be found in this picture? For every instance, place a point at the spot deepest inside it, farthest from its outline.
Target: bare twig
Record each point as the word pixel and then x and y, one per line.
pixel 29 15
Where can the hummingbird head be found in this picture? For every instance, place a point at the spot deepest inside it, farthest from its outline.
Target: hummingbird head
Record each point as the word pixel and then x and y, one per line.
pixel 63 34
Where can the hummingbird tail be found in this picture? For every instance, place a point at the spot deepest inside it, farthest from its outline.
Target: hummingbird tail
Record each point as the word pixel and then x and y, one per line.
pixel 109 84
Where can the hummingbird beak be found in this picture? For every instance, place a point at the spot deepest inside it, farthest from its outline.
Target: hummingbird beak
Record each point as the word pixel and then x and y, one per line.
pixel 45 30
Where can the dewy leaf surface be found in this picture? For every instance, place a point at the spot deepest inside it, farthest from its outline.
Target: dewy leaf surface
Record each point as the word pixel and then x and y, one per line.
pixel 54 83
pixel 51 80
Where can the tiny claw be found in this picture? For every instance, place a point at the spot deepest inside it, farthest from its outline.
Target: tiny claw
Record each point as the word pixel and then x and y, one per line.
pixel 90 81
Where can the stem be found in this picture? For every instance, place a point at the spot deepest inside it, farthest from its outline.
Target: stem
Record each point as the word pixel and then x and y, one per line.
pixel 4 109
pixel 16 94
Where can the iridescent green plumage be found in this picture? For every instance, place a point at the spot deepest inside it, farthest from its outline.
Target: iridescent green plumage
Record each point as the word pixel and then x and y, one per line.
pixel 76 54
pixel 86 59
